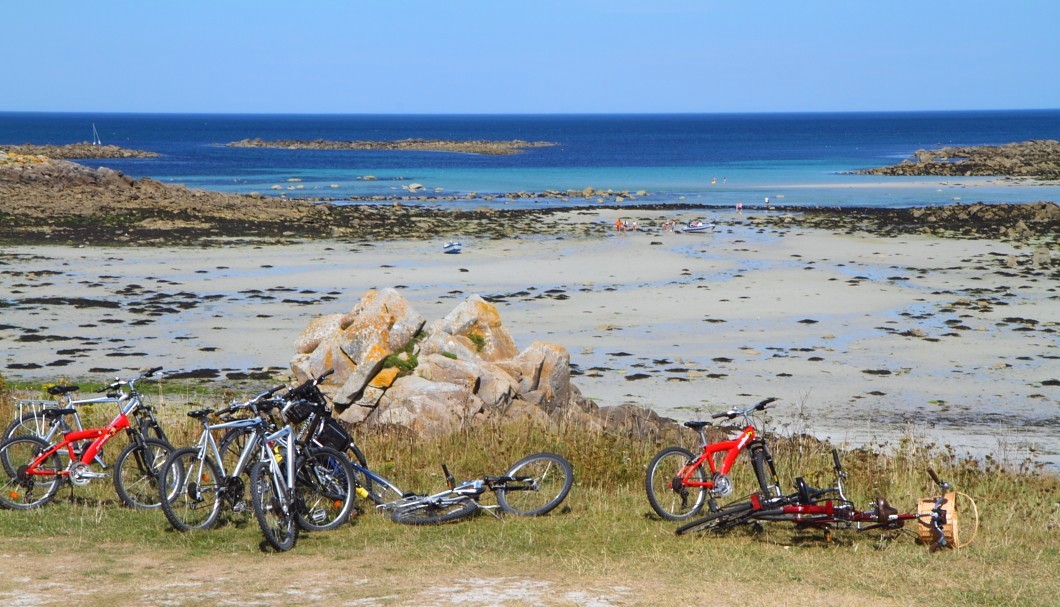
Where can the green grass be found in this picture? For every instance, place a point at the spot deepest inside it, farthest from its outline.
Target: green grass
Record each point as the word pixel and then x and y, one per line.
pixel 604 531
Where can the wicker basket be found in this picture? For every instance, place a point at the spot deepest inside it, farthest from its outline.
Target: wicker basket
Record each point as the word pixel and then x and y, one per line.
pixel 927 533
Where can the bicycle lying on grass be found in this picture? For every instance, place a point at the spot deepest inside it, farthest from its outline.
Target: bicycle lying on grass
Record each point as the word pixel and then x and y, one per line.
pixel 32 470
pixel 533 486
pixel 677 484
pixel 828 509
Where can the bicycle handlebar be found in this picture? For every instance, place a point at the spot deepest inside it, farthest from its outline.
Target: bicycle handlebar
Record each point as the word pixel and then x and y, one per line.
pixel 731 413
pixel 941 483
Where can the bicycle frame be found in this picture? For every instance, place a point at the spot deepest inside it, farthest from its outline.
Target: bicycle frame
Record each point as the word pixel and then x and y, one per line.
pixel 98 436
pixel 732 449
pixel 208 445
pixel 281 467
pixel 719 475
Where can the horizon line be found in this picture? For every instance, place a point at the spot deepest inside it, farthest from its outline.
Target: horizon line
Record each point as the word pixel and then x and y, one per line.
pixel 528 114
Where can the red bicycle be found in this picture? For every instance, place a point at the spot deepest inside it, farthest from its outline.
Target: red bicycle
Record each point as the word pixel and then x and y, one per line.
pixel 32 470
pixel 828 509
pixel 677 484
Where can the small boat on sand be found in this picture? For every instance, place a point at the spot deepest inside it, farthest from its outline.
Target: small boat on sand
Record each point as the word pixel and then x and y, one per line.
pixel 452 248
pixel 697 226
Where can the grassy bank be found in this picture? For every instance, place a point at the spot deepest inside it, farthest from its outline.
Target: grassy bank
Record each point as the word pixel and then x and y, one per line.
pixel 603 548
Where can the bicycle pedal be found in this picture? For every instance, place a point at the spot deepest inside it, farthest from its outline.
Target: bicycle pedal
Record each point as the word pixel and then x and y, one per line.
pixel 239 507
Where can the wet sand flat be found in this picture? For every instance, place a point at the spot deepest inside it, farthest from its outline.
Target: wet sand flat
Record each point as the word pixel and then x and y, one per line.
pixel 864 338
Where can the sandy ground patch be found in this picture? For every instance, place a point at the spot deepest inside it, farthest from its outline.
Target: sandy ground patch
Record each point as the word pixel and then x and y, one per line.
pixel 865 338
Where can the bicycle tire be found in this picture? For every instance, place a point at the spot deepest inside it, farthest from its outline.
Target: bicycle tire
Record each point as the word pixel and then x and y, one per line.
pixel 765 471
pixel 673 504
pixel 729 516
pixel 196 501
pixel 277 523
pixel 551 480
pixel 25 492
pixel 325 485
pixel 136 473
pixel 426 512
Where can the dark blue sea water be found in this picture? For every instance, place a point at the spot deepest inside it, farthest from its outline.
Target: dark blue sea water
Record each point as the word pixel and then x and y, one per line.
pixel 718 159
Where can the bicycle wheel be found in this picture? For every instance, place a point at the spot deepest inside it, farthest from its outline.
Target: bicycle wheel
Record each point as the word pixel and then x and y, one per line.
pixel 136 473
pixel 548 479
pixel 231 447
pixel 436 512
pixel 674 503
pixel 21 491
pixel 765 471
pixel 195 501
pixel 325 486
pixel 729 516
pixel 275 518
pixel 33 423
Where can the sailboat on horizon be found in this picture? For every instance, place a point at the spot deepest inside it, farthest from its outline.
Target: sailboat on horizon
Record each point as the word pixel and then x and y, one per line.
pixel 95 136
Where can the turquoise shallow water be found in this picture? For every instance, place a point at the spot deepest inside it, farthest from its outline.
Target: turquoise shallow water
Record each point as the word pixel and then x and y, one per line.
pixel 797 159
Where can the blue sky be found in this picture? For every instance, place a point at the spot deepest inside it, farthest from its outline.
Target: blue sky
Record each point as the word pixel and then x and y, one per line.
pixel 540 56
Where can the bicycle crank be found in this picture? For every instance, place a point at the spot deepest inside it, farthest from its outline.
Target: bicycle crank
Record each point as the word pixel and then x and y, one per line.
pixel 81 474
pixel 722 485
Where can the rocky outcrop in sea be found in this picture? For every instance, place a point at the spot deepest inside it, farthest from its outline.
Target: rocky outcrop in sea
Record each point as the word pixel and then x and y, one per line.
pixel 489 148
pixel 83 150
pixel 1037 158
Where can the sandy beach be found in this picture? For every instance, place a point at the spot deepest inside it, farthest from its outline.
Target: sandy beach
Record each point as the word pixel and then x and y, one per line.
pixel 866 339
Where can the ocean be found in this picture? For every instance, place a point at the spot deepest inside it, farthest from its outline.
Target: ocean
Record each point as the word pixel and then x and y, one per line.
pixel 708 159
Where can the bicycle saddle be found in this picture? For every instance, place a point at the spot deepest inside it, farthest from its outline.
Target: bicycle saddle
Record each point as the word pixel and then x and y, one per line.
pixel 806 492
pixel 884 511
pixel 697 425
pixel 58 390
pixel 200 413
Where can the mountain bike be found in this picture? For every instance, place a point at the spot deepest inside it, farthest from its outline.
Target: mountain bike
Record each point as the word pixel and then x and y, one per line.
pixel 50 418
pixel 32 469
pixel 828 509
pixel 203 479
pixel 296 485
pixel 678 485
pixel 319 427
pixel 533 486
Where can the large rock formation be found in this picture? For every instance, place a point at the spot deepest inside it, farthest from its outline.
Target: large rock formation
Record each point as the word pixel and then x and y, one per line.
pixel 392 368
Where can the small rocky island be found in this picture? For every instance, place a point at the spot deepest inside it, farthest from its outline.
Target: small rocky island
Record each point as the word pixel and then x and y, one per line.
pixel 489 148
pixel 76 151
pixel 1036 159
